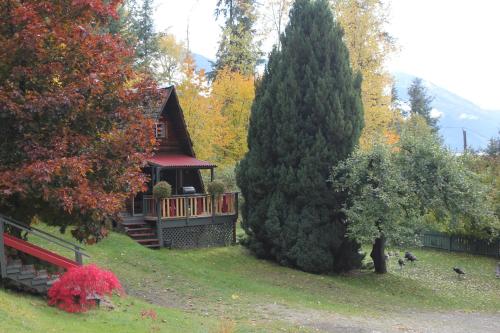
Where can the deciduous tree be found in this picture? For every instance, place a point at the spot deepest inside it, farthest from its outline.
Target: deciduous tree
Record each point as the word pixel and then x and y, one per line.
pixel 276 17
pixel 170 57
pixel 205 123
pixel 232 95
pixel 394 190
pixel 369 44
pixel 72 133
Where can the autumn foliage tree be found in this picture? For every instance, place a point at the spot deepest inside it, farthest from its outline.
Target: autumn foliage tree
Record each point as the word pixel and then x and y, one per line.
pixel 232 96
pixel 72 132
pixel 370 45
pixel 205 122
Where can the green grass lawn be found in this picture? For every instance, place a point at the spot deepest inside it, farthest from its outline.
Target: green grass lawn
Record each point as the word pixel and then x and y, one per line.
pixel 22 313
pixel 202 288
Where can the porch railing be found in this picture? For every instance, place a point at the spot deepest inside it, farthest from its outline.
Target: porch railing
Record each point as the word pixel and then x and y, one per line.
pixel 193 206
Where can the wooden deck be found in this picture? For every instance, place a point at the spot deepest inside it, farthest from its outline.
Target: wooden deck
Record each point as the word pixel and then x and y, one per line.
pixel 190 207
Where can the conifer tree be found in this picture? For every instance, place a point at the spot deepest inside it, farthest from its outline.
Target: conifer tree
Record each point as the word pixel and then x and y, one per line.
pixel 147 40
pixel 421 102
pixel 237 48
pixel 307 116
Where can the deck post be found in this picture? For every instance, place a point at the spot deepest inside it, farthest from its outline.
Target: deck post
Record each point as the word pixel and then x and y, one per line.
pixel 236 210
pixel 158 203
pixel 213 207
pixel 187 208
pixel 3 259
pixel 78 256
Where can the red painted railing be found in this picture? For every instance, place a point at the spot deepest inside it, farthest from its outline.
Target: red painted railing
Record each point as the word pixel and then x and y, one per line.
pixel 38 252
pixel 33 250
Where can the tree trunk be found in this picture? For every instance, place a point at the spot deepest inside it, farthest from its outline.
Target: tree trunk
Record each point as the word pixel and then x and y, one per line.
pixel 378 255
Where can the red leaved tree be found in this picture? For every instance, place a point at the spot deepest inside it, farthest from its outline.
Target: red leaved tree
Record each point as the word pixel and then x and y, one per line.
pixel 72 132
pixel 79 289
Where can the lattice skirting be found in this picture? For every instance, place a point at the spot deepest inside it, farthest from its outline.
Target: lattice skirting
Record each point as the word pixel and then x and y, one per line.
pixel 208 235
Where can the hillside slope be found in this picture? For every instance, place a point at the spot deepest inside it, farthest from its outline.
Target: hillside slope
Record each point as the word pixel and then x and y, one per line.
pixel 206 287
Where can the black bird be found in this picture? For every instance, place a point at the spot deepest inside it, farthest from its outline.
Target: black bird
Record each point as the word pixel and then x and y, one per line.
pixel 410 257
pixel 401 263
pixel 459 271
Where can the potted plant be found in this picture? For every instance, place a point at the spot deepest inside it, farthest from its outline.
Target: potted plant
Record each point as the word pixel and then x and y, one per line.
pixel 215 189
pixel 162 190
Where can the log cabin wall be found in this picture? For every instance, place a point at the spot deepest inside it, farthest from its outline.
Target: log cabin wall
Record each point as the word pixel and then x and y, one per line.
pixel 176 140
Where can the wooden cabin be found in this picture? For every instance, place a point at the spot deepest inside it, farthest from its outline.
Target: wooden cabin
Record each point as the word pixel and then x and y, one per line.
pixel 190 217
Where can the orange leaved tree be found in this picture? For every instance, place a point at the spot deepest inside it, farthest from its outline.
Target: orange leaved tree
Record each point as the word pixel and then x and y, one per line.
pixel 72 132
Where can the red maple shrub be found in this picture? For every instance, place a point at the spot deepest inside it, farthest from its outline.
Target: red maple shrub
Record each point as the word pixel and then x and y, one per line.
pixel 73 135
pixel 79 288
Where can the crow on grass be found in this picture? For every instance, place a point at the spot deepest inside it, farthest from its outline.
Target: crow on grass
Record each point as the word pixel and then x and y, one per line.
pixel 410 257
pixel 459 271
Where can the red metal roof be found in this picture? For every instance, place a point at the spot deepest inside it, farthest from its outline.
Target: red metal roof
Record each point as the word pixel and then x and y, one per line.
pixel 178 161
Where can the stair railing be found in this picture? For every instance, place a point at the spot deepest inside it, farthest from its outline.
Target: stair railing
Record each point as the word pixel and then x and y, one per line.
pixel 5 220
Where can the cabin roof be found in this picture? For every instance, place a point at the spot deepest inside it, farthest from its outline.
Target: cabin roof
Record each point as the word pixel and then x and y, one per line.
pixel 178 161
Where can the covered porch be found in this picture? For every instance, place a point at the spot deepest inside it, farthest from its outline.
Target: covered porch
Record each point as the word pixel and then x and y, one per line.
pixel 187 220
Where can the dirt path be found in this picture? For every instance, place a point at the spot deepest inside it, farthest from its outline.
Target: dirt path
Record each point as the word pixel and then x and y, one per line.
pixel 323 321
pixel 421 322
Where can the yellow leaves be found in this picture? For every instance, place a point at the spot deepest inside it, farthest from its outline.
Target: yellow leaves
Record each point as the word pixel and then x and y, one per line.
pixel 233 95
pixel 369 46
pixel 391 137
pixel 217 118
pixel 56 80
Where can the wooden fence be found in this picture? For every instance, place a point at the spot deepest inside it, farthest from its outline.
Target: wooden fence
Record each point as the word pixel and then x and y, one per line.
pixel 462 244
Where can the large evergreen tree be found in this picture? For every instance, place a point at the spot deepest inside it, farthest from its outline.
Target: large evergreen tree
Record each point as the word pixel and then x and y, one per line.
pixel 307 116
pixel 421 102
pixel 142 26
pixel 237 49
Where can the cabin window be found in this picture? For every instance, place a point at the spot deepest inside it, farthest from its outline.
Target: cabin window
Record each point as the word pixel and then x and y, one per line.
pixel 160 130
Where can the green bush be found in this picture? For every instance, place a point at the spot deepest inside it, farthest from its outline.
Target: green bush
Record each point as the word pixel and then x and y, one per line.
pixel 216 188
pixel 162 190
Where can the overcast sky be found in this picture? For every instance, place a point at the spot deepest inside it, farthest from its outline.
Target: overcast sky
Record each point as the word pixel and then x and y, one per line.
pixel 452 43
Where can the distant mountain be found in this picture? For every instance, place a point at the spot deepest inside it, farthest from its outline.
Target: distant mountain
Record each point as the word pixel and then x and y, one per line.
pixel 455 113
pixel 202 62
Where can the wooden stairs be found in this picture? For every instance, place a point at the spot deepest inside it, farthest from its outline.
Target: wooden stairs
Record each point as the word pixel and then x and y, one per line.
pixel 25 276
pixel 141 231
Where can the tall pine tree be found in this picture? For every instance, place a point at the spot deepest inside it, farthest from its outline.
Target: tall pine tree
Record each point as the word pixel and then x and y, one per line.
pixel 307 116
pixel 237 49
pixel 421 102
pixel 142 27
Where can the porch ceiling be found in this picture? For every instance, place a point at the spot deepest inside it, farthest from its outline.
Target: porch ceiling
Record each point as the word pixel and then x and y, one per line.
pixel 178 161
